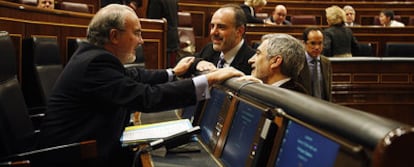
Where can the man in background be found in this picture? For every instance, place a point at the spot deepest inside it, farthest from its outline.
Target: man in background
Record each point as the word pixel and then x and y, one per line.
pixel 316 75
pixel 349 16
pixel 46 4
pixel 278 16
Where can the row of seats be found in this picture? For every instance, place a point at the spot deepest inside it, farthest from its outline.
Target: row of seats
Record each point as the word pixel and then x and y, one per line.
pixel 312 20
pixel 69 6
pixel 392 49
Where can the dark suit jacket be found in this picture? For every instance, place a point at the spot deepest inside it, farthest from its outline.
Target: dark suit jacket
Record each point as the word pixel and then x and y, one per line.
pixel 339 40
pixel 239 62
pixel 95 94
pixel 250 18
pixel 295 86
pixel 285 22
pixel 167 9
pixel 326 69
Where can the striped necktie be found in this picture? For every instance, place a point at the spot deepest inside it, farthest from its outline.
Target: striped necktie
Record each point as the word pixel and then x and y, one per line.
pixel 220 63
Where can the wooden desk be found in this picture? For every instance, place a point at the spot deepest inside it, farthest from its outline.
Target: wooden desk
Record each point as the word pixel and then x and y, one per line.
pixel 382 86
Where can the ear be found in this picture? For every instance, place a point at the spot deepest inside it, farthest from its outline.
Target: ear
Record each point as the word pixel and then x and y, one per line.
pixel 241 30
pixel 114 36
pixel 276 62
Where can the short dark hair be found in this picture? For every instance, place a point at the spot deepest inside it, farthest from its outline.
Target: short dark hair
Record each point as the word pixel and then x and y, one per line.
pixel 388 13
pixel 309 29
pixel 240 17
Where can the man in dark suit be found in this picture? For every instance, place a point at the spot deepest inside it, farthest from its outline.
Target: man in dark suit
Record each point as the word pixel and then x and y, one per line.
pixel 95 94
pixel 228 47
pixel 278 61
pixel 316 75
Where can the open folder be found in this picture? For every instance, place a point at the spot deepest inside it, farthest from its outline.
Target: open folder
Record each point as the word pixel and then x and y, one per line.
pixel 150 132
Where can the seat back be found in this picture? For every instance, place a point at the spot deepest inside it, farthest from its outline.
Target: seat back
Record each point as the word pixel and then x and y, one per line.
pixel 74 7
pixel 15 125
pixel 186 34
pixel 396 49
pixel 41 67
pixel 365 50
pixel 303 20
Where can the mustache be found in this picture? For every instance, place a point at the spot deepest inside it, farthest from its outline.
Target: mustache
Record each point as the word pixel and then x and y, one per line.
pixel 216 37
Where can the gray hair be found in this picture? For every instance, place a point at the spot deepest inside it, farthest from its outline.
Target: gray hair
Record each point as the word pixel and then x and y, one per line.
pixel 349 8
pixel 107 18
pixel 291 50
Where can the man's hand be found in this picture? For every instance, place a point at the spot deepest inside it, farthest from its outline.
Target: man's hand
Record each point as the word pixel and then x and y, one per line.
pixel 249 78
pixel 222 74
pixel 183 65
pixel 205 66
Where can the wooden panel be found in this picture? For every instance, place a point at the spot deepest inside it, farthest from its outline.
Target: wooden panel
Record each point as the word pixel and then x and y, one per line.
pixel 383 86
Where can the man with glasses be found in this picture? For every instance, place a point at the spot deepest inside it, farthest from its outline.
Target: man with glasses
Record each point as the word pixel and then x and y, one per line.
pixel 316 75
pixel 350 16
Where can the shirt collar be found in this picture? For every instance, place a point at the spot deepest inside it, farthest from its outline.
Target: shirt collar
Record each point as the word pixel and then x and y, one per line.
pixel 280 82
pixel 310 58
pixel 229 56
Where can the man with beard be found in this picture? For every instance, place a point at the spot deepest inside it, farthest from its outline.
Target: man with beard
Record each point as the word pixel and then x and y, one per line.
pixel 227 47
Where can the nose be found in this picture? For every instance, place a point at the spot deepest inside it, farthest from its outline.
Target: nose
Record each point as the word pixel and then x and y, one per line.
pixel 140 40
pixel 252 59
pixel 213 30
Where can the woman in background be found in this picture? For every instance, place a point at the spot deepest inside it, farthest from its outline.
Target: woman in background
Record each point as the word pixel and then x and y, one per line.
pixel 386 18
pixel 339 40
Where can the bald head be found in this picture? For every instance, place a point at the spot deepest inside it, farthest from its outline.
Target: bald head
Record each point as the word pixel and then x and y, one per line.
pixel 279 14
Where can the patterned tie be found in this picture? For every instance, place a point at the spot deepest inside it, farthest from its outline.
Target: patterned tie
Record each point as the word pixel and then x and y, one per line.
pixel 220 63
pixel 316 82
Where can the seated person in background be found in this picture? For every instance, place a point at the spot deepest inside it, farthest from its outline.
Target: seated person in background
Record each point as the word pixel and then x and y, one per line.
pixel 47 4
pixel 278 62
pixel 350 16
pixel 386 18
pixel 339 40
pixel 316 75
pixel 95 94
pixel 227 47
pixel 278 16
pixel 250 7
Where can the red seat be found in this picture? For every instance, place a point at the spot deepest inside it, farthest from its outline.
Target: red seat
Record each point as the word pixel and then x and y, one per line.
pixel 74 7
pixel 303 20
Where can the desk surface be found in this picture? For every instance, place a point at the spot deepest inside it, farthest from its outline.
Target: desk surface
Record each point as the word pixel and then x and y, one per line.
pixel 169 159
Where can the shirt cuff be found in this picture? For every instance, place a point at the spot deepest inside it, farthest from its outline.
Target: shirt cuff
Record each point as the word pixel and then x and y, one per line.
pixel 201 87
pixel 171 75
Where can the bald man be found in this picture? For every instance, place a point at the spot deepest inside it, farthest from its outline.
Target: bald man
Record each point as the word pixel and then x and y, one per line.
pixel 278 16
